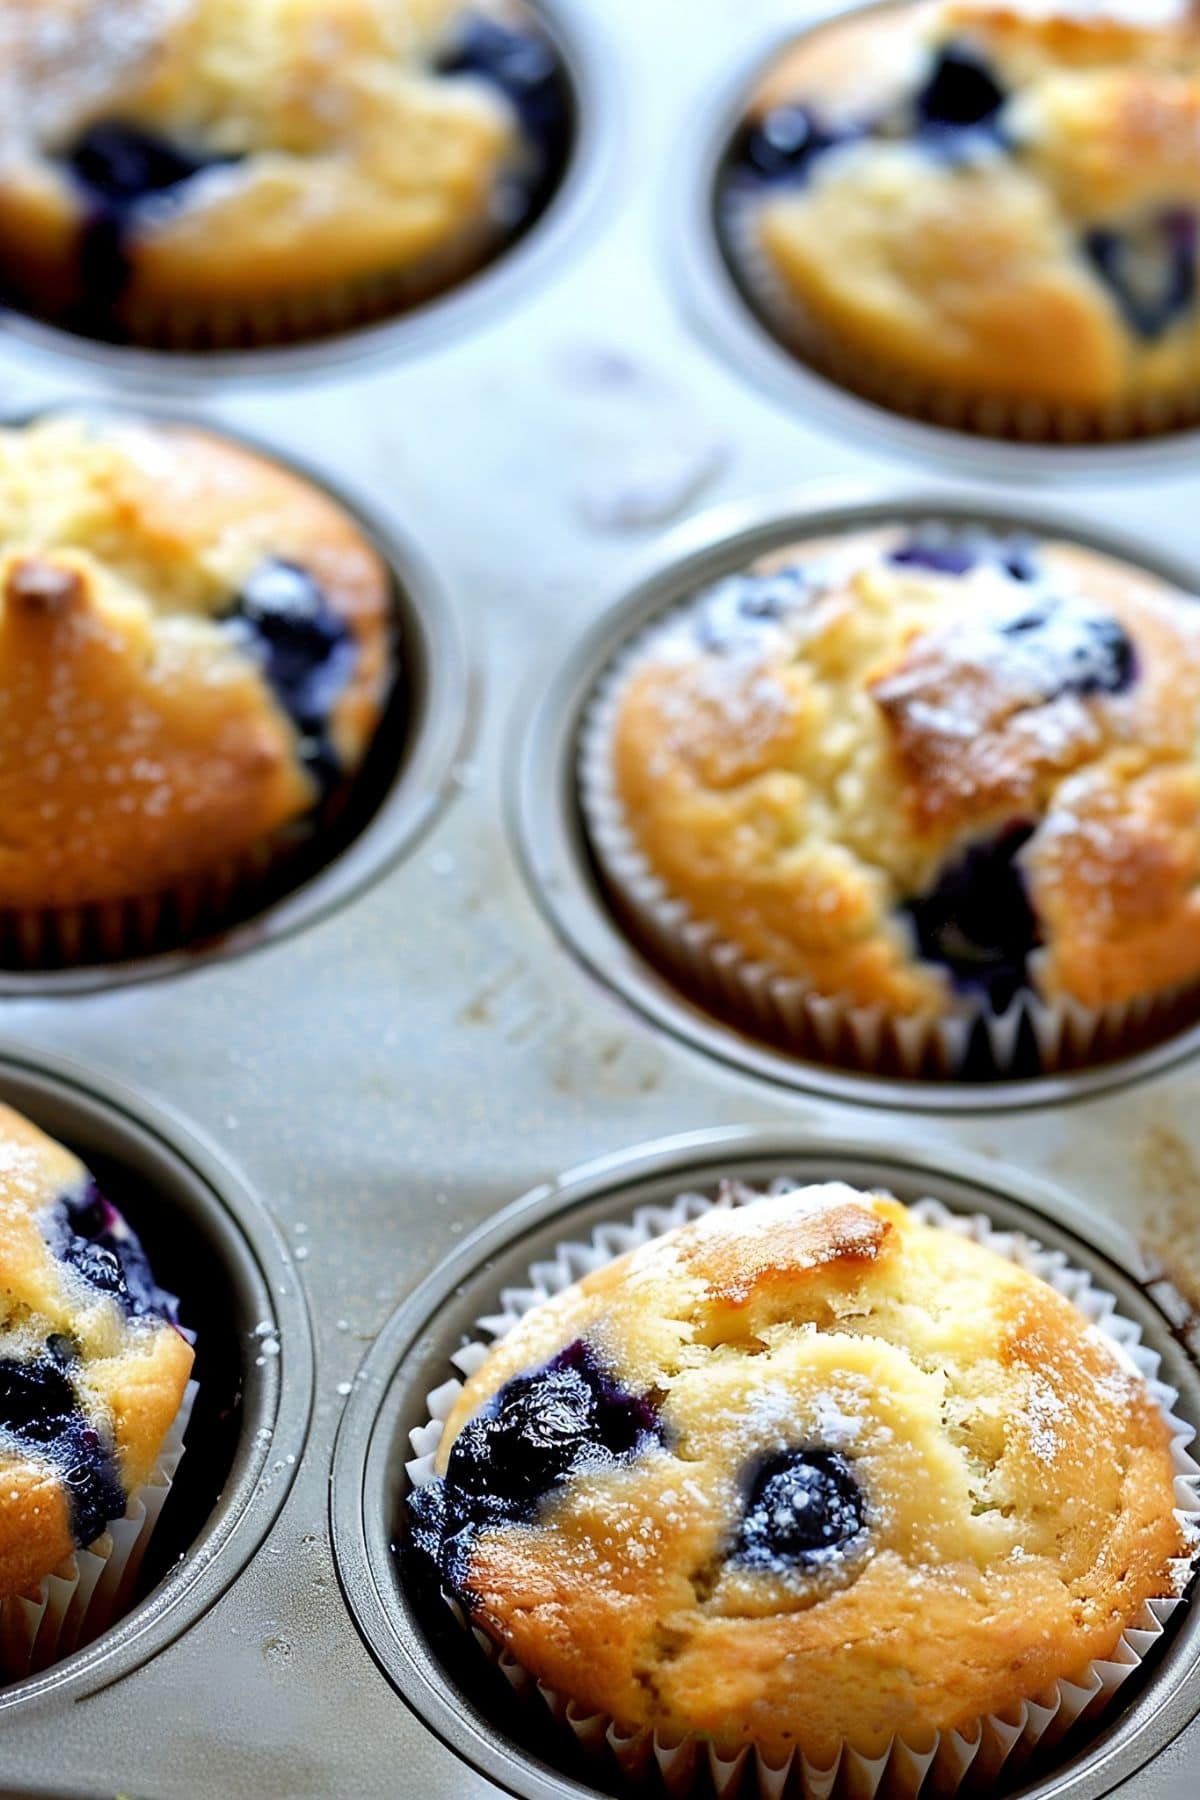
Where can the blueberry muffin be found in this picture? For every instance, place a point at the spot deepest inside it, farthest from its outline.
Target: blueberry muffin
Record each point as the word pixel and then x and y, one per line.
pixel 93 1367
pixel 927 773
pixel 804 1474
pixel 194 653
pixel 215 174
pixel 985 213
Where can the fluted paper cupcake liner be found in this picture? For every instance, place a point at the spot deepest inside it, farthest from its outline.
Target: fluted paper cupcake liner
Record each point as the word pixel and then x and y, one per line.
pixel 304 315
pixel 970 1039
pixel 92 1588
pixel 853 365
pixel 970 1760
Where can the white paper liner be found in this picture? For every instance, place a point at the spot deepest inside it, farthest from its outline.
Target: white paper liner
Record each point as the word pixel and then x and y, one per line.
pixel 970 1760
pixel 92 1588
pixel 788 1009
pixel 851 364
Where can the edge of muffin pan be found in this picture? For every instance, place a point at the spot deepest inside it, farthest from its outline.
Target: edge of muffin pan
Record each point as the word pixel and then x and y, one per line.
pixel 592 78
pixel 434 1664
pixel 409 774
pixel 550 839
pixel 715 304
pixel 212 1242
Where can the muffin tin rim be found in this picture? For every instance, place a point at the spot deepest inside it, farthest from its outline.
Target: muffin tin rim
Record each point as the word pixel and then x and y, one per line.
pixel 589 60
pixel 438 739
pixel 365 1446
pixel 549 838
pixel 156 1133
pixel 708 295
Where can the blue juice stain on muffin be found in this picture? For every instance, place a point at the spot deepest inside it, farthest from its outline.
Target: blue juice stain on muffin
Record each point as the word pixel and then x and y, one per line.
pixel 1151 270
pixel 803 1508
pixel 86 1232
pixel 121 169
pixel 526 68
pixel 41 1415
pixel 566 1419
pixel 306 651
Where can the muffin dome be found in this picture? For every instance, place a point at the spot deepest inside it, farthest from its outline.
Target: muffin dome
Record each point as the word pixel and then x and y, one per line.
pixel 924 772
pixel 804 1474
pixel 986 213
pixel 92 1367
pixel 194 651
pixel 216 173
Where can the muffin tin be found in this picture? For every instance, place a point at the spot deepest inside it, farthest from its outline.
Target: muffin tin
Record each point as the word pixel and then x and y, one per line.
pixel 338 1108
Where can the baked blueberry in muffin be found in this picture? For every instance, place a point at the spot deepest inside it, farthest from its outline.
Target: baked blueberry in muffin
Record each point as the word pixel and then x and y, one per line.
pixel 984 211
pixel 921 774
pixel 213 174
pixel 195 652
pixel 93 1367
pixel 804 1474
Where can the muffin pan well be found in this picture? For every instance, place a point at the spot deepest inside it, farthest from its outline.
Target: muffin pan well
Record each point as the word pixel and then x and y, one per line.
pixel 435 1666
pixel 584 62
pixel 559 863
pixel 210 1242
pixel 408 774
pixel 715 300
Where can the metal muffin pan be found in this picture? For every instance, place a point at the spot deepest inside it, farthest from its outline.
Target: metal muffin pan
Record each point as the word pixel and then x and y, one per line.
pixel 211 1243
pixel 715 303
pixel 409 773
pixel 552 838
pixel 586 61
pixel 385 1081
pixel 457 1694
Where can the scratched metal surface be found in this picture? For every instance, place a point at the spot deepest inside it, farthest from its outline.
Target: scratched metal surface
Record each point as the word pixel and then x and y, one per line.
pixel 387 1080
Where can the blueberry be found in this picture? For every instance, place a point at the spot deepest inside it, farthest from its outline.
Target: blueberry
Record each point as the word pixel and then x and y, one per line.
pixel 784 145
pixel 563 1420
pixel 961 93
pixel 959 555
pixel 524 66
pixel 306 649
pixel 977 920
pixel 738 611
pixel 92 1238
pixel 40 1410
pixel 124 164
pixel 119 167
pixel 1073 647
pixel 1151 270
pixel 803 1507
